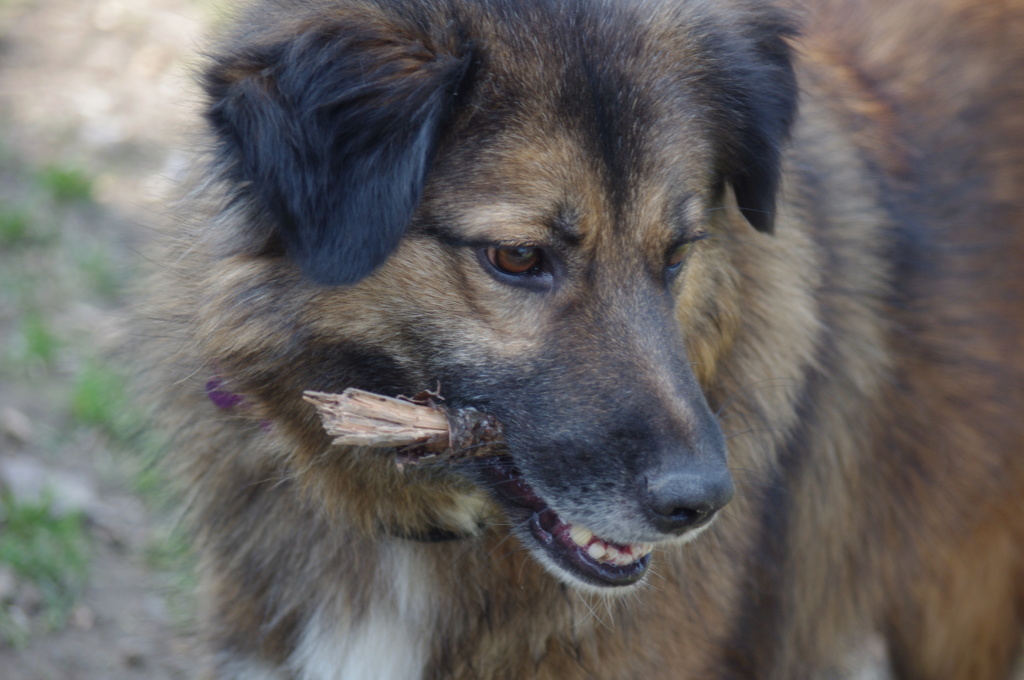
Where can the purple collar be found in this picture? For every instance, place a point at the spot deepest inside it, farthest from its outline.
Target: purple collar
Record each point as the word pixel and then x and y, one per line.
pixel 225 400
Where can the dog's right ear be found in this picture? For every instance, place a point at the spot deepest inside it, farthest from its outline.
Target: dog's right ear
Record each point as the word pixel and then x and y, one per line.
pixel 762 97
pixel 332 133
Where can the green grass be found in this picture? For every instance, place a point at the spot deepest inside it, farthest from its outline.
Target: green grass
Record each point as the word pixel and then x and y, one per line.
pixel 99 398
pixel 26 222
pixel 35 342
pixel 15 226
pixel 52 261
pixel 50 552
pixel 66 184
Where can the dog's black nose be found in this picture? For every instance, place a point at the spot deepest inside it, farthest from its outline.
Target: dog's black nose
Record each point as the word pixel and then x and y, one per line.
pixel 680 501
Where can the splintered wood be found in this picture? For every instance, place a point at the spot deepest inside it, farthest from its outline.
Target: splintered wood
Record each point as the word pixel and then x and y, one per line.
pixel 420 428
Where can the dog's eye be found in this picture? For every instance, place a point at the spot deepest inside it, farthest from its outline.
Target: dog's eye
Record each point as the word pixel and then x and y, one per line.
pixel 677 255
pixel 516 260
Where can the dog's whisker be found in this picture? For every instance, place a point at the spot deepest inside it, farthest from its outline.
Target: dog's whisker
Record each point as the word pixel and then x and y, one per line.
pixel 593 612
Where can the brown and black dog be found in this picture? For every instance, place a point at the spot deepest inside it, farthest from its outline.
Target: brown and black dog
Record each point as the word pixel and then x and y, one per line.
pixel 721 269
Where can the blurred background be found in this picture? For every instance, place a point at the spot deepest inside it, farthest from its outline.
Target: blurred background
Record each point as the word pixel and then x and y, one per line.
pixel 96 104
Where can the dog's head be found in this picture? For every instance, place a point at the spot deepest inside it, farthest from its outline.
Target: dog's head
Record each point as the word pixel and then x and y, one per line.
pixel 504 199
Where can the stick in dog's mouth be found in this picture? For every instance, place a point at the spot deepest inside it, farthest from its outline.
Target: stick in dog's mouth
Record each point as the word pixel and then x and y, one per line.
pixel 422 429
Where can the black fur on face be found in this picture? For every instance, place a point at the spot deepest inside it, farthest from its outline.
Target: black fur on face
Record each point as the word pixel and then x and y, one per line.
pixel 333 132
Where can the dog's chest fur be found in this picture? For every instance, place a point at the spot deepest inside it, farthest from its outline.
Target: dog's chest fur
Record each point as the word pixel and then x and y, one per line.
pixel 388 639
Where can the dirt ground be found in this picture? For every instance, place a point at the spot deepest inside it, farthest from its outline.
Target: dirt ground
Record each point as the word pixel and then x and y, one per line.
pixel 101 86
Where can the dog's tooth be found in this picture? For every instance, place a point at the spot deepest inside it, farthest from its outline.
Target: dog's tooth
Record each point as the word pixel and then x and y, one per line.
pixel 580 536
pixel 597 550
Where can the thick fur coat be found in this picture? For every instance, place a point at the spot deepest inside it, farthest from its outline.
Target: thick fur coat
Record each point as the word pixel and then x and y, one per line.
pixel 742 283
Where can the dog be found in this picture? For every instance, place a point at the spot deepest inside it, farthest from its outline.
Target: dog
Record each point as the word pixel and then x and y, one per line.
pixel 741 283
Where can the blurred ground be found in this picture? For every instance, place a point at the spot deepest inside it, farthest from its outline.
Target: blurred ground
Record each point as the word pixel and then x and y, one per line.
pixel 94 105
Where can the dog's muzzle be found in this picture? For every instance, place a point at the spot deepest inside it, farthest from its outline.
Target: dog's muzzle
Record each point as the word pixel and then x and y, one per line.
pixel 675 504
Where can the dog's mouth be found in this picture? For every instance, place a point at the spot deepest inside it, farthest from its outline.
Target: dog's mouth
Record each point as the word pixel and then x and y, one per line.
pixel 572 548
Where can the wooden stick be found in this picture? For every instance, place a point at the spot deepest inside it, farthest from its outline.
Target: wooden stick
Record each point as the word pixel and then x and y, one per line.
pixel 419 427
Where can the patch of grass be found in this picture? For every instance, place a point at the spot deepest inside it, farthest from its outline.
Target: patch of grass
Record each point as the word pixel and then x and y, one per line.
pixel 99 398
pixel 66 184
pixel 48 551
pixel 35 342
pixel 15 226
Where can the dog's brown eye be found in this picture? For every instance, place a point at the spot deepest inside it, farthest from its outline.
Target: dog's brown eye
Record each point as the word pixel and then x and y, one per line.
pixel 516 260
pixel 676 257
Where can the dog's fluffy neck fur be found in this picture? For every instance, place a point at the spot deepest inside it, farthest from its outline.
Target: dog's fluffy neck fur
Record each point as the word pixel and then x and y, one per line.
pixel 387 638
pixel 422 607
pixel 376 605
pixel 362 604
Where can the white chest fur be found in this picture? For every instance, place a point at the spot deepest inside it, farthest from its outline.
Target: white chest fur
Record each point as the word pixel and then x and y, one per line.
pixel 389 641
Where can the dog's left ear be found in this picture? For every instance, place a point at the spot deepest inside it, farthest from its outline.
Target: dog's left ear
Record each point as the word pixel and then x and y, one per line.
pixel 331 133
pixel 764 102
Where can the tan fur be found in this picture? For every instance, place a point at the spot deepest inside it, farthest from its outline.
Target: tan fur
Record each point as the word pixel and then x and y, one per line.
pixel 872 408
